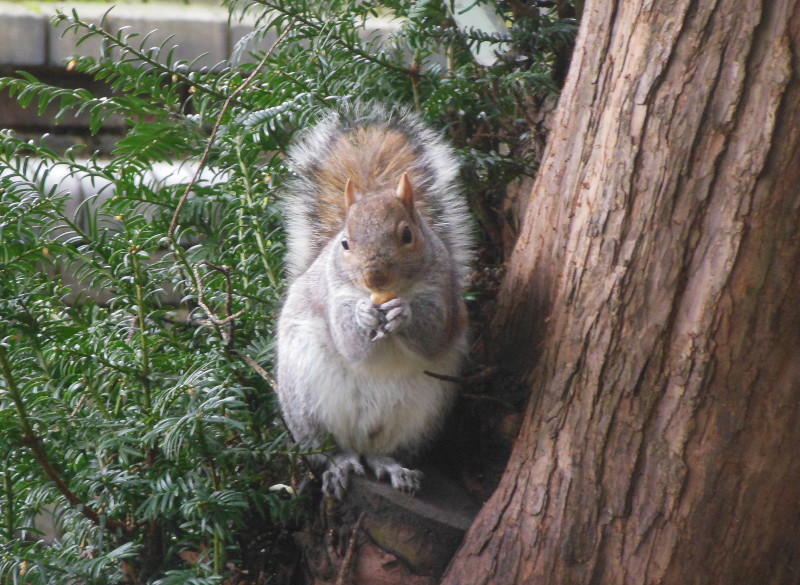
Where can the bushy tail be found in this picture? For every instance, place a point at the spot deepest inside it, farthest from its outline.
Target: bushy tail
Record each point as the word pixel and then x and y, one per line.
pixel 371 144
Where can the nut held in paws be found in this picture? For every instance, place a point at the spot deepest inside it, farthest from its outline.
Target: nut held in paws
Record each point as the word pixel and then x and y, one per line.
pixel 382 297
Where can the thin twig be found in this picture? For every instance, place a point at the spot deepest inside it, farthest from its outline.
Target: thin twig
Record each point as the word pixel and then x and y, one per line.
pixel 259 370
pixel 475 378
pixel 35 443
pixel 229 319
pixel 274 385
pixel 225 107
pixel 201 300
pixel 466 380
pixel 351 545
pixel 488 398
pixel 132 330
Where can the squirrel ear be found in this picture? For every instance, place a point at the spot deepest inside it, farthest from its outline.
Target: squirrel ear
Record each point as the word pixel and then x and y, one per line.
pixel 405 192
pixel 349 194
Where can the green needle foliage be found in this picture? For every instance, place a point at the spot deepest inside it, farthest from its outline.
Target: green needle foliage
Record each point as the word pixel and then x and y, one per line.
pixel 136 328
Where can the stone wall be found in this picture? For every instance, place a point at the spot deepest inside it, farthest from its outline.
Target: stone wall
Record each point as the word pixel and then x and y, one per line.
pixel 29 42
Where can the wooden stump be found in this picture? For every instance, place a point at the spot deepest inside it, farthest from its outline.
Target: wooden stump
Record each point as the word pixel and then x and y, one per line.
pixel 379 536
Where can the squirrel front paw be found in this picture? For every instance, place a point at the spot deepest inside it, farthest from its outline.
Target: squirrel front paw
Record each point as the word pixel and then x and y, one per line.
pixel 381 320
pixel 368 317
pixel 397 313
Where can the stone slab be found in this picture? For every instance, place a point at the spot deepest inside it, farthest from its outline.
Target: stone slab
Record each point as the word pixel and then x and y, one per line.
pixel 399 540
pixel 198 34
pixel 24 36
pixel 197 28
pixel 62 43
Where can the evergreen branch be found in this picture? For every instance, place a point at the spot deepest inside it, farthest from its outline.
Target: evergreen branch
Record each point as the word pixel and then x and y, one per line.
pixel 248 203
pixel 225 107
pixel 259 370
pixel 299 16
pixel 230 317
pixel 141 316
pixel 8 488
pixel 32 440
pixel 144 56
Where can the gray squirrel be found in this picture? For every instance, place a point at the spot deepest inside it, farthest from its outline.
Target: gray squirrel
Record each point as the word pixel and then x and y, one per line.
pixel 379 249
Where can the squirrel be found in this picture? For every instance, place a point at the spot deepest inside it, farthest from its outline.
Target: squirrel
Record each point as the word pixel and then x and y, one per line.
pixel 379 249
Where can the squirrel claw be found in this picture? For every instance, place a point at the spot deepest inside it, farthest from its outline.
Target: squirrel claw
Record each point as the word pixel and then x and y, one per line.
pixel 407 481
pixel 367 315
pixel 384 319
pixel 397 313
pixel 337 477
pixel 334 483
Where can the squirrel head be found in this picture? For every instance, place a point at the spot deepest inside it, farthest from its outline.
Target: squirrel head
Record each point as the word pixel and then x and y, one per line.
pixel 381 244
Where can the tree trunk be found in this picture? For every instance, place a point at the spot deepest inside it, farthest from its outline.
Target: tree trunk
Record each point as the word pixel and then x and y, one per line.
pixel 652 307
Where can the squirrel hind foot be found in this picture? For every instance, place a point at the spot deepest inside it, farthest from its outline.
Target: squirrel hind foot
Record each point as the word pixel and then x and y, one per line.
pixel 336 478
pixel 405 480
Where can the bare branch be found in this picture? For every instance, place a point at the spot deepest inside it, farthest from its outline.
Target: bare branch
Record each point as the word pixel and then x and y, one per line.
pixel 225 107
pixel 230 317
pixel 351 545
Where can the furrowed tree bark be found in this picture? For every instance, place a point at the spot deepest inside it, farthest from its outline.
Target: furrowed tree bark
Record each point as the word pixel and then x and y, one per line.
pixel 652 307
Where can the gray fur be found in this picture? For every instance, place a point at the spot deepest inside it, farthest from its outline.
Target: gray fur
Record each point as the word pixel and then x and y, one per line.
pixel 353 370
pixel 435 157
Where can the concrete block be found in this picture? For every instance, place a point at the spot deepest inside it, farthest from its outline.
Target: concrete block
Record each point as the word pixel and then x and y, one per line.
pixel 63 181
pixel 376 30
pixel 63 44
pixel 195 31
pixel 12 115
pixel 23 40
pixel 254 45
pixel 373 35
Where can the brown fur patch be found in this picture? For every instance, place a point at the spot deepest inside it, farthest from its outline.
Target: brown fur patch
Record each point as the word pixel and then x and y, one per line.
pixel 374 160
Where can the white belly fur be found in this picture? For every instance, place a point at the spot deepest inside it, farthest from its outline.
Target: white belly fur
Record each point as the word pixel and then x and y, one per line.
pixel 377 406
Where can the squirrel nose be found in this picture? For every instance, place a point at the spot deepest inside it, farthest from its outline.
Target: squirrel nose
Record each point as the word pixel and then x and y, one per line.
pixel 375 278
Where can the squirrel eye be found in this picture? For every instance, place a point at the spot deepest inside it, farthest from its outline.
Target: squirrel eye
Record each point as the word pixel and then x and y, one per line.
pixel 406 236
pixel 345 244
